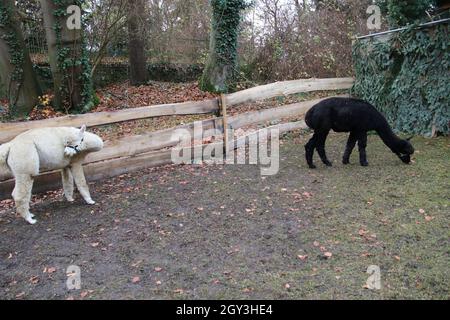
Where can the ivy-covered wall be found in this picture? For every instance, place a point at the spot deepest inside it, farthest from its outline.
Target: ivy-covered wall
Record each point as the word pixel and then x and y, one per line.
pixel 406 76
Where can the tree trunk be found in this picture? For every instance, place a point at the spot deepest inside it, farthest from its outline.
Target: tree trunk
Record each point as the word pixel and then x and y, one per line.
pixel 68 62
pixel 16 70
pixel 221 67
pixel 136 48
pixel 218 73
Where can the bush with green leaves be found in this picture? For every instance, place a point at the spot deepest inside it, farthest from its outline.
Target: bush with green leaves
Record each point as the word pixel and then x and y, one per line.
pixel 403 12
pixel 406 77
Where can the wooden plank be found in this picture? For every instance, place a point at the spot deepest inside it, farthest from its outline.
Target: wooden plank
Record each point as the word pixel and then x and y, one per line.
pixel 261 116
pixel 134 145
pixel 243 140
pixel 9 130
pixel 288 87
pixel 138 144
pixel 114 167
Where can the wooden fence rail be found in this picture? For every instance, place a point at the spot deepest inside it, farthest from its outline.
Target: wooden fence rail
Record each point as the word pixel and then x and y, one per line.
pixel 113 167
pixel 147 150
pixel 142 151
pixel 9 130
pixel 285 88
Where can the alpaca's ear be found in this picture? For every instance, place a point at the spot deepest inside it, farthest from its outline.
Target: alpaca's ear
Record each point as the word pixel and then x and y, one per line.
pixel 82 130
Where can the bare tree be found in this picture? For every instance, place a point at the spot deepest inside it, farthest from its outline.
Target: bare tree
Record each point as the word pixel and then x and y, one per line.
pixel 179 30
pixel 107 18
pixel 295 40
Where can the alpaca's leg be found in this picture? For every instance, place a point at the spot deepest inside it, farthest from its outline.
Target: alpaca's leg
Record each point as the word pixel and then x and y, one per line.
pixel 321 138
pixel 362 144
pixel 22 196
pixel 67 180
pixel 351 142
pixel 80 181
pixel 309 151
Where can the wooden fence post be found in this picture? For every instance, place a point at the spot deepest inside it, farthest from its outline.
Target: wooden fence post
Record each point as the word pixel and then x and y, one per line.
pixel 223 108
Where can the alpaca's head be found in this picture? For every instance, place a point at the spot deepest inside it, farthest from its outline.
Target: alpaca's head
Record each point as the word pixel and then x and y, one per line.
pixel 75 140
pixel 405 150
pixel 89 142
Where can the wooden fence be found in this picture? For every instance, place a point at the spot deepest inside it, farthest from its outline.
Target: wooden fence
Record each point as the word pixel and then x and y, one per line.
pixel 153 149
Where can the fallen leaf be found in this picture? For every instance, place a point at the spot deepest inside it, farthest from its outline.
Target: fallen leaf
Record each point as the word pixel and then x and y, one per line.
pixel 134 265
pixel 158 269
pixel 51 270
pixel 135 279
pixel 303 258
pixel 328 255
pixel 34 279
pixel 362 232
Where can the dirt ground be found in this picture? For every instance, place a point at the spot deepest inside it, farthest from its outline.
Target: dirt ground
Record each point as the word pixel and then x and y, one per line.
pixel 225 232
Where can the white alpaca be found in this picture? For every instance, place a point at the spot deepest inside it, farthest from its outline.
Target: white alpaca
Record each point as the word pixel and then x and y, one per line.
pixel 48 149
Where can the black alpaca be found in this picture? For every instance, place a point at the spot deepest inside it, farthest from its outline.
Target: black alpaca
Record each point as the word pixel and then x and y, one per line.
pixel 354 116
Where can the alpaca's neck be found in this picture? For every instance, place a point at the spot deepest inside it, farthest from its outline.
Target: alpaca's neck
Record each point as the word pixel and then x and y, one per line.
pixel 389 137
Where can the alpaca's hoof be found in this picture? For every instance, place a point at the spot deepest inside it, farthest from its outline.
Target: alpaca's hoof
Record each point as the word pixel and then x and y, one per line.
pixel 328 164
pixel 30 219
pixel 70 199
pixel 311 166
pixel 90 201
pixel 364 164
pixel 346 161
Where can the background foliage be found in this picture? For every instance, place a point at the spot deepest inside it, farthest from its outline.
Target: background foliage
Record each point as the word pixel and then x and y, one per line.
pixel 406 77
pixel 403 12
